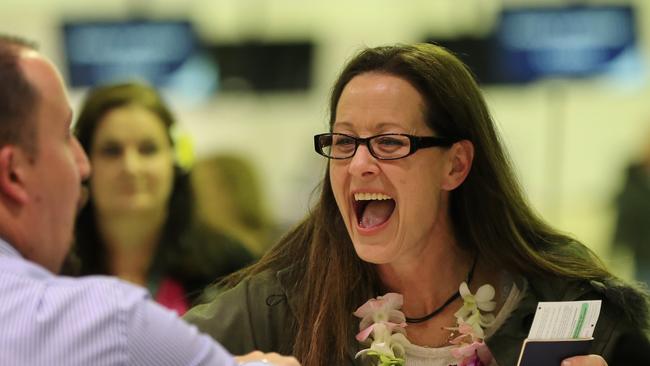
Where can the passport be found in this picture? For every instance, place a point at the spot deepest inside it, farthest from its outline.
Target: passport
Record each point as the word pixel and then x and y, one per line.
pixel 551 352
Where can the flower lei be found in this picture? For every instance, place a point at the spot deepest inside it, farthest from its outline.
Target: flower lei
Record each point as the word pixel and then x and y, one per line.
pixel 383 327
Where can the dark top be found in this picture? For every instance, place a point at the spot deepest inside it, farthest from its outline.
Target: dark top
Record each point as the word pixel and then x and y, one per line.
pixel 190 255
pixel 204 256
pixel 256 315
pixel 184 265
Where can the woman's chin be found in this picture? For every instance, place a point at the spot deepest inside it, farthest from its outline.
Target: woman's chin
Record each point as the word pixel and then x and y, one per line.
pixel 374 253
pixel 134 207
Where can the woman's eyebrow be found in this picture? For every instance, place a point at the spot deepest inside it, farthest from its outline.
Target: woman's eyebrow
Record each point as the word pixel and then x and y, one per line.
pixel 379 126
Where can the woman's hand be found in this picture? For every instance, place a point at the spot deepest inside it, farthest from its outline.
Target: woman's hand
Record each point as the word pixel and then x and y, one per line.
pixel 261 358
pixel 589 360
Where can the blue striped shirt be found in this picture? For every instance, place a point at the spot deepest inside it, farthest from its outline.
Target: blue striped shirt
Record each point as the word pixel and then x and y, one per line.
pixel 56 320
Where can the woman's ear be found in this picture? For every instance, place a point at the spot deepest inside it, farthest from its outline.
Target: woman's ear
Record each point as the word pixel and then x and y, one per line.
pixel 13 162
pixel 461 155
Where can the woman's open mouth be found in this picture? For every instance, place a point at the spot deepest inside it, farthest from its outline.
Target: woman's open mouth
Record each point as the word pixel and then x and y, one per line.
pixel 373 209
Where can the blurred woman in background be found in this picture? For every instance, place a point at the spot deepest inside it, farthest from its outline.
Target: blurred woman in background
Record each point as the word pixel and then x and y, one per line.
pixel 138 223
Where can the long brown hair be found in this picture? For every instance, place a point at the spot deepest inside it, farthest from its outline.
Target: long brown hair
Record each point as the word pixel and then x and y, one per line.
pixel 489 213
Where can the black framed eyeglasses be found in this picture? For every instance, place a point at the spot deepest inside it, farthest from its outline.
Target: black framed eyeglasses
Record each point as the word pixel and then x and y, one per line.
pixel 387 146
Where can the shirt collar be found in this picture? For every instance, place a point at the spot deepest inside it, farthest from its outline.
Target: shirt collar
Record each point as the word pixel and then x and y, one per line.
pixel 8 250
pixel 11 259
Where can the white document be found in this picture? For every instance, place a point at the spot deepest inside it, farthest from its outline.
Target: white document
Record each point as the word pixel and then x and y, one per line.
pixel 565 320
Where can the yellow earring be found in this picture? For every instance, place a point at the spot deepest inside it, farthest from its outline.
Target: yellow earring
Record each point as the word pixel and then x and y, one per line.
pixel 183 148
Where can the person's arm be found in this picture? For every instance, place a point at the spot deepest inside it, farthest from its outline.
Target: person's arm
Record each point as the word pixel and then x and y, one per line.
pixel 157 336
pixel 254 315
pixel 227 319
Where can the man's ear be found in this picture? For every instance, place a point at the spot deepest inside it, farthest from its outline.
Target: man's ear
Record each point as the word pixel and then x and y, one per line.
pixel 461 156
pixel 13 162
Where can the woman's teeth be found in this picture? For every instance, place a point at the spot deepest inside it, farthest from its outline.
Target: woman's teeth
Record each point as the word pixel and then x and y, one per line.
pixel 371 197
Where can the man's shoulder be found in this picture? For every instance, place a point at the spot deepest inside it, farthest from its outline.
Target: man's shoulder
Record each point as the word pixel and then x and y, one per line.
pixel 105 321
pixel 104 287
pixel 50 293
pixel 88 298
pixel 67 310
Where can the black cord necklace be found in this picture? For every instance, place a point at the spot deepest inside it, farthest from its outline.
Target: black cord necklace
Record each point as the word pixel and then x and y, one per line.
pixel 442 307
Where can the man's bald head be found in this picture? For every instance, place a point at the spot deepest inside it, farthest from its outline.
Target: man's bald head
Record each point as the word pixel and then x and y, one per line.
pixel 17 97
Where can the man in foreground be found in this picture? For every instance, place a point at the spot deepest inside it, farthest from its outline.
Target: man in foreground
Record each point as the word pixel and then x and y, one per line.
pixel 48 319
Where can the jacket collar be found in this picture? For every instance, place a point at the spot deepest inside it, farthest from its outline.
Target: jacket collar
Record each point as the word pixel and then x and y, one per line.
pixel 8 250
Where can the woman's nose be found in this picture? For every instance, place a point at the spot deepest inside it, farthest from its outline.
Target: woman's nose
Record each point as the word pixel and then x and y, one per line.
pixel 131 160
pixel 363 164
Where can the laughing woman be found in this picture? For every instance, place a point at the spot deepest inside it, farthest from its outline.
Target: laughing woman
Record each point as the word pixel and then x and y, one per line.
pixel 419 202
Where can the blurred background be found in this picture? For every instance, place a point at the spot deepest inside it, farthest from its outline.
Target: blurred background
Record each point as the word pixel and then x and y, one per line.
pixel 566 81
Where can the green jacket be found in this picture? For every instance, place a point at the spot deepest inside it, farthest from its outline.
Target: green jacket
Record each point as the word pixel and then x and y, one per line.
pixel 256 315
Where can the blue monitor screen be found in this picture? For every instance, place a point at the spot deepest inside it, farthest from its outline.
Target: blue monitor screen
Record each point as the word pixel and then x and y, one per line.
pixel 109 51
pixel 529 44
pixel 576 41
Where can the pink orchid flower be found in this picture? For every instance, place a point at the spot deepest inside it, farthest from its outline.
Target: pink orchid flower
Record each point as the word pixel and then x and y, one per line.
pixel 471 350
pixel 476 353
pixel 382 325
pixel 474 360
pixel 382 310
pixel 466 333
